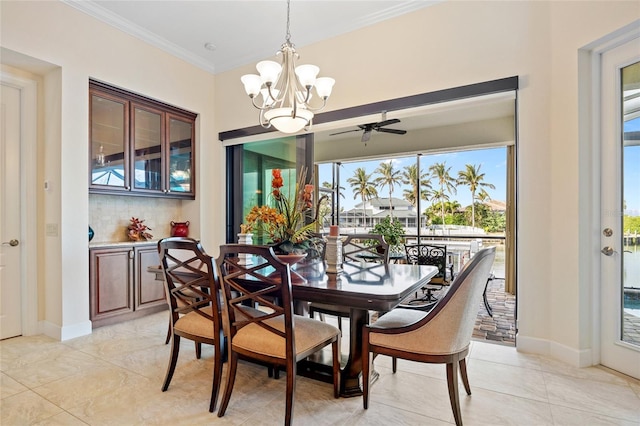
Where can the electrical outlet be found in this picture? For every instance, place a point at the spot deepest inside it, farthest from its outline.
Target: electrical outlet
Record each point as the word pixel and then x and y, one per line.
pixel 52 230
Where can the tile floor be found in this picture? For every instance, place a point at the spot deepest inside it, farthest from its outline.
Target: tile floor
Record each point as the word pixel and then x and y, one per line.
pixel 113 377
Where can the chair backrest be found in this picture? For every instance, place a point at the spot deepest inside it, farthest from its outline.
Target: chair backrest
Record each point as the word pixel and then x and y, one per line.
pixel 190 279
pixel 267 282
pixel 365 247
pixel 428 254
pixel 318 247
pixel 448 327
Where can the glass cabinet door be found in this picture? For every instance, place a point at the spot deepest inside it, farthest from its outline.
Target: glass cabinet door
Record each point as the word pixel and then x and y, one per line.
pixel 147 148
pixel 180 155
pixel 139 146
pixel 108 135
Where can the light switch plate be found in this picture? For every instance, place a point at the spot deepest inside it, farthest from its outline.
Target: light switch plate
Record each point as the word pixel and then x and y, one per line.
pixel 52 230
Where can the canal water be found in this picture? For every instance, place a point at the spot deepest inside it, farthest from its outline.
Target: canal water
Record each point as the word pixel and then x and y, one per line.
pixel 631 276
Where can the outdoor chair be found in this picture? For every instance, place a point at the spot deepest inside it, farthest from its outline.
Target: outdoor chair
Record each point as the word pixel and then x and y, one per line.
pixel 440 336
pixel 355 248
pixel 429 254
pixel 192 295
pixel 277 338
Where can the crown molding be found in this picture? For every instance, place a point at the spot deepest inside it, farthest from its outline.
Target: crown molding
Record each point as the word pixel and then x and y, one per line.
pixel 114 20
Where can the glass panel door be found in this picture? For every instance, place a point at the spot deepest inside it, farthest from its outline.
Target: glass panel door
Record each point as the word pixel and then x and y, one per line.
pixel 180 155
pixel 147 148
pixel 620 209
pixel 109 158
pixel 630 332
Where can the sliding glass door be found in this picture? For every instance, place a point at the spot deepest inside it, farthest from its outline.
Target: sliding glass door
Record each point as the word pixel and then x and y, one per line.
pixel 249 175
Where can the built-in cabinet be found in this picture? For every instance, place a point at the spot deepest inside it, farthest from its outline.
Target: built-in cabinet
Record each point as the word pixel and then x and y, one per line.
pixel 120 287
pixel 139 146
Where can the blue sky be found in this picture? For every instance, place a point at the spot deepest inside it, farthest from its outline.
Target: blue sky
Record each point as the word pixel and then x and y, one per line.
pixel 492 163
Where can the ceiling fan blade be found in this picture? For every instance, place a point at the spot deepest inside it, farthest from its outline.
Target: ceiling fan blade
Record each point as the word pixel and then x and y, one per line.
pixel 387 122
pixel 346 131
pixel 394 131
pixel 366 135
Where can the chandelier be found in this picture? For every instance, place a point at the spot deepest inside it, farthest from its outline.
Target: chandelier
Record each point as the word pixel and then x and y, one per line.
pixel 282 92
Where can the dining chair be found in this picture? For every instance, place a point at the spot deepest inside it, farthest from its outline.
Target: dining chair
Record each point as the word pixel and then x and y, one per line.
pixel 440 336
pixel 192 294
pixel 277 337
pixel 356 248
pixel 429 254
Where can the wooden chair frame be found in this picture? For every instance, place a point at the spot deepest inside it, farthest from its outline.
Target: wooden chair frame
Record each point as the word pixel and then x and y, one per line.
pixel 192 294
pixel 265 281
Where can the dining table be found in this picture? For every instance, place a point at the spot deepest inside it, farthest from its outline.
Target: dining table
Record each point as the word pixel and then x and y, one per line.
pixel 362 287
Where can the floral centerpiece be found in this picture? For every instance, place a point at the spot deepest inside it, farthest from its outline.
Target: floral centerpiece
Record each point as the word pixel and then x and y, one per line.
pixel 287 220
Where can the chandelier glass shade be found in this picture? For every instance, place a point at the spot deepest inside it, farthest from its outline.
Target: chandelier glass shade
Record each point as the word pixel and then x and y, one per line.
pixel 283 91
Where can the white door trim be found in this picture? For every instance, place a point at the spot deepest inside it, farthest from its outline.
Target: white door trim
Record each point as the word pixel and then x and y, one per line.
pixel 589 69
pixel 28 198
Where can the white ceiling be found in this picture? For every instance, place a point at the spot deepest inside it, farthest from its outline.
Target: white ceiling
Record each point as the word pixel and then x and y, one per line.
pixel 242 31
pixel 246 31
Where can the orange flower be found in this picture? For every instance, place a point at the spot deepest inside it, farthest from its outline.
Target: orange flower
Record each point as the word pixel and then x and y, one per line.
pixel 276 181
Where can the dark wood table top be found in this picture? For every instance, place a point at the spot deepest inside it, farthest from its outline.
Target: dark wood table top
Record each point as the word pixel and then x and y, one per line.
pixel 361 285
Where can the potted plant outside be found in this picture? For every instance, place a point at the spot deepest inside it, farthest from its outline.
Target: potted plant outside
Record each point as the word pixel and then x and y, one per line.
pixel 393 233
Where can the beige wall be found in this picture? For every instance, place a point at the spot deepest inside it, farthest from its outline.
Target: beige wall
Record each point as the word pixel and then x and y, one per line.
pixel 80 47
pixel 459 43
pixel 451 44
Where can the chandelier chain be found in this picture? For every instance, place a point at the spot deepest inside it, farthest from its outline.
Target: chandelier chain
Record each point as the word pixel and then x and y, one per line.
pixel 288 36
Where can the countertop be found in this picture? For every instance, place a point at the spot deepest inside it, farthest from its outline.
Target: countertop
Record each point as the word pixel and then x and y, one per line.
pixel 101 244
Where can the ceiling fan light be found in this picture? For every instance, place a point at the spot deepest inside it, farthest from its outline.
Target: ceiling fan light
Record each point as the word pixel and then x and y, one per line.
pixel 307 74
pixel 269 71
pixel 252 84
pixel 324 85
pixel 283 120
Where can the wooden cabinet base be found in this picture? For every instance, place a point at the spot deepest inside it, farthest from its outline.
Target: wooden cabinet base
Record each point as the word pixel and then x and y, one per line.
pixel 106 320
pixel 120 288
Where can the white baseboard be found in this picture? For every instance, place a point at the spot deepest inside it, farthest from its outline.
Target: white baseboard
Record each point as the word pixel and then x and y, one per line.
pixel 67 332
pixel 566 354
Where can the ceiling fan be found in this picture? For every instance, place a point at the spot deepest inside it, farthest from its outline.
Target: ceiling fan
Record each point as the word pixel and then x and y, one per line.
pixel 380 126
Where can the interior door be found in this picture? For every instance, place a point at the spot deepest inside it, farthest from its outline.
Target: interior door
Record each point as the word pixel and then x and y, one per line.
pixel 620 209
pixel 10 214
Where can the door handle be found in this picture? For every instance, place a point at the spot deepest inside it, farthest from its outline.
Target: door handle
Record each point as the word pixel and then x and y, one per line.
pixel 608 251
pixel 11 243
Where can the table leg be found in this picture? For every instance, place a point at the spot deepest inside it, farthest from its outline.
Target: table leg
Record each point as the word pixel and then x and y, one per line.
pixel 351 373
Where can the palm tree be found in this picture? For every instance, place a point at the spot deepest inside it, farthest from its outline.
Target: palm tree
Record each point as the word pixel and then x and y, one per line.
pixel 440 172
pixel 410 177
pixel 389 177
pixel 483 196
pixel 440 198
pixel 472 178
pixel 364 187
